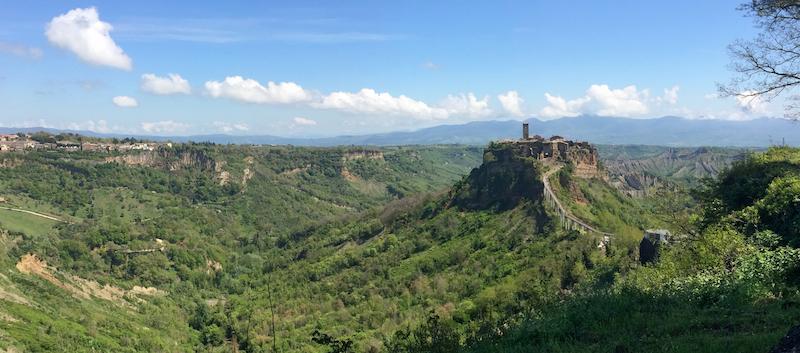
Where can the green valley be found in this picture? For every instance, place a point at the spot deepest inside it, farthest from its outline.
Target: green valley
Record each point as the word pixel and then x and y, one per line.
pixel 204 247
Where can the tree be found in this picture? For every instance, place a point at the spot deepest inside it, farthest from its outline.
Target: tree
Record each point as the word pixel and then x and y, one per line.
pixel 769 64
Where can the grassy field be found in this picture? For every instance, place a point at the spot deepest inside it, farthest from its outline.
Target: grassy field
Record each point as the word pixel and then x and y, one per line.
pixel 24 222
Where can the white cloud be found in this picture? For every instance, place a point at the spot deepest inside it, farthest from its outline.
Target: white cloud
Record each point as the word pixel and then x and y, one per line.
pixel 162 85
pixel 711 96
pixel 753 102
pixel 603 101
pixel 559 107
pixel 21 51
pixel 250 91
pixel 100 126
pixel 430 65
pixel 164 127
pixel 228 127
pixel 125 101
pixel 511 102
pixel 670 96
pixel 466 106
pixel 364 102
pixel 619 102
pixel 40 123
pixel 303 121
pixel 82 32
pixel 368 102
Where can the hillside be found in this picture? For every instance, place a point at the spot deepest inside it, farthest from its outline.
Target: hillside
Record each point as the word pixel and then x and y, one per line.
pixel 729 283
pixel 218 248
pixel 189 249
pixel 200 205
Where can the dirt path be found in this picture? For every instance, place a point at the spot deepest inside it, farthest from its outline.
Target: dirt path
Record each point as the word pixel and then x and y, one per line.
pixel 33 213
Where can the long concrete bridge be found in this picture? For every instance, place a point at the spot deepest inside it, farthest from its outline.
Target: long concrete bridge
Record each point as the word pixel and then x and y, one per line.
pixel 567 220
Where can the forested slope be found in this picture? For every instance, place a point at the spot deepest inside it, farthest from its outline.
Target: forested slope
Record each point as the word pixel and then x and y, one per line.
pixel 726 282
pixel 217 248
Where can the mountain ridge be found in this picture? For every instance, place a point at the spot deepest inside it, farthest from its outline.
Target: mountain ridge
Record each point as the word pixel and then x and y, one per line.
pixel 669 131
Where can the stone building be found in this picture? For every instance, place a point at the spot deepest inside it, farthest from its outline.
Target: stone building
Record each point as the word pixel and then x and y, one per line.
pixel 556 148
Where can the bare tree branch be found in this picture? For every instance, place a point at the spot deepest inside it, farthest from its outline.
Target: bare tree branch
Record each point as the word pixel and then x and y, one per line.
pixel 769 64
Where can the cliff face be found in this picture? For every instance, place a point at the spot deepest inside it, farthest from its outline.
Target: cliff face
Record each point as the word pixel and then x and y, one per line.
pixel 635 177
pixel 169 160
pixel 365 154
pixel 638 184
pixel 503 180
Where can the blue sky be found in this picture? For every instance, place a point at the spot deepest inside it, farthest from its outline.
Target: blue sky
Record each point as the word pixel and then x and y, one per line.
pixel 180 67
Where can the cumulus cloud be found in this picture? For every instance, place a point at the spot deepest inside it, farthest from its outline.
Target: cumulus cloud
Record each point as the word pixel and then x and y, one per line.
pixel 39 123
pixel 752 101
pixel 125 101
pixel 670 96
pixel 22 51
pixel 82 32
pixel 368 102
pixel 250 91
pixel 162 85
pixel 228 127
pixel 164 127
pixel 466 106
pixel 430 65
pixel 100 126
pixel 511 102
pixel 559 107
pixel 303 121
pixel 364 102
pixel 603 101
pixel 711 96
pixel 619 102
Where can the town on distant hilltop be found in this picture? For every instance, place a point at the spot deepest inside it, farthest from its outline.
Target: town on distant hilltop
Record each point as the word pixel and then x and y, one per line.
pixel 72 142
pixel 557 148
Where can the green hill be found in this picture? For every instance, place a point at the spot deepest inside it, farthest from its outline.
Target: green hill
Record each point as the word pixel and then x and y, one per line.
pixel 269 248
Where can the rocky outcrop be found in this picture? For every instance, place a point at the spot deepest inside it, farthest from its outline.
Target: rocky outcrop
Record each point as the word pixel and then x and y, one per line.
pixel 637 184
pixel 169 160
pixel 363 154
pixel 573 188
pixel 635 177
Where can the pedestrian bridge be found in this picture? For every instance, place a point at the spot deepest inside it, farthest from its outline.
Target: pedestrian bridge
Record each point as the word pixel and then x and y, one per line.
pixel 567 221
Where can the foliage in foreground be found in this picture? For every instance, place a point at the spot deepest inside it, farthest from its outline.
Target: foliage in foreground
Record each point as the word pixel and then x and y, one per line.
pixel 730 284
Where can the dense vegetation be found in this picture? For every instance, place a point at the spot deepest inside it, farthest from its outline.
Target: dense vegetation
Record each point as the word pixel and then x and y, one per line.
pixel 352 249
pixel 729 282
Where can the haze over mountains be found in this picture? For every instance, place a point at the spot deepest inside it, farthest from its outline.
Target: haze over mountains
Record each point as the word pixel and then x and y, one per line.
pixel 667 131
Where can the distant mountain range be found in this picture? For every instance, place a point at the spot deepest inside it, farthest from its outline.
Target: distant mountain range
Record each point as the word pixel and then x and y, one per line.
pixel 666 131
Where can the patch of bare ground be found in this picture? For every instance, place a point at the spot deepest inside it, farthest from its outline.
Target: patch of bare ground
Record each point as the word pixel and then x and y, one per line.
pixel 213 266
pixel 224 177
pixel 81 287
pixel 12 297
pixel 151 291
pixel 295 170
pixel 347 175
pixel 7 318
pixel 247 175
pixel 11 349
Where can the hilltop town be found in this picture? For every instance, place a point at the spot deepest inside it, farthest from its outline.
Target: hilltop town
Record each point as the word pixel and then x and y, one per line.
pixel 72 142
pixel 558 149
